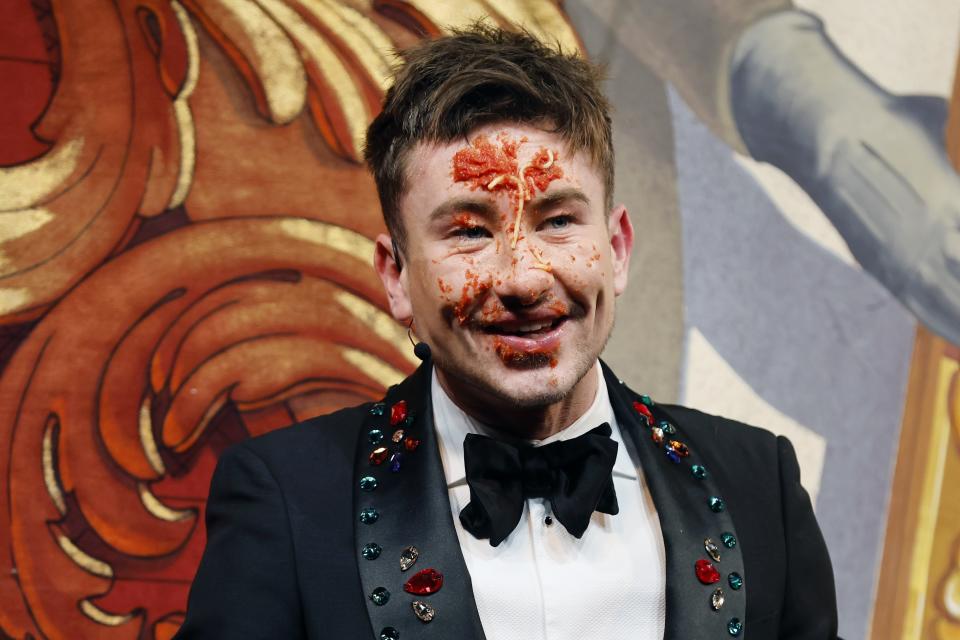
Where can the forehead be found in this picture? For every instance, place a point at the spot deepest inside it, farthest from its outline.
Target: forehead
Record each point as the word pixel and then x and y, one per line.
pixel 429 166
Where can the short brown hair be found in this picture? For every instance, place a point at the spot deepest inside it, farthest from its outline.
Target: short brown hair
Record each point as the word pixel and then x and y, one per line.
pixel 450 86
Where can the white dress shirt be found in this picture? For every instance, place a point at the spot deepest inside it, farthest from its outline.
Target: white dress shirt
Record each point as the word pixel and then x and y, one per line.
pixel 541 583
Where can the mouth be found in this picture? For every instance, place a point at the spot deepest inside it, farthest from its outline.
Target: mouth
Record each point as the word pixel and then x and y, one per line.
pixel 529 329
pixel 527 343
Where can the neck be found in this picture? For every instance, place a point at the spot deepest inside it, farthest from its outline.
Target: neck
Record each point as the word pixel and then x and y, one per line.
pixel 529 423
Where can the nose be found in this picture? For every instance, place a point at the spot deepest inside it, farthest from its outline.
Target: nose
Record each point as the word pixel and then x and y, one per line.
pixel 523 281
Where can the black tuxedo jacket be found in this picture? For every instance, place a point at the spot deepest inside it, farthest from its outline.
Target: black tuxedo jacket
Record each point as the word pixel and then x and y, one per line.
pixel 285 543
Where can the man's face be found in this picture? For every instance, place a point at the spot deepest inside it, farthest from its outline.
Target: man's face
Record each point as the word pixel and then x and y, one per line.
pixel 511 263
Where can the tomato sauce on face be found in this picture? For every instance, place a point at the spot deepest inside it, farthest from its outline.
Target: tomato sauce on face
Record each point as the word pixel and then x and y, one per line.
pixel 525 358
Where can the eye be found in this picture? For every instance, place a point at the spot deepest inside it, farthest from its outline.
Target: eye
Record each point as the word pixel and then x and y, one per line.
pixel 471 233
pixel 558 222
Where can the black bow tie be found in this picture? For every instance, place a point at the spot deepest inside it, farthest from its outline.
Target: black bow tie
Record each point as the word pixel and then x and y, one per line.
pixel 574 474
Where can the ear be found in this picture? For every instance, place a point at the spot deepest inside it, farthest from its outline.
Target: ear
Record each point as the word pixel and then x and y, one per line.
pixel 620 230
pixel 393 278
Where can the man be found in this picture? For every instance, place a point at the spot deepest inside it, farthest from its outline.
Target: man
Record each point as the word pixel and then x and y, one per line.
pixel 512 487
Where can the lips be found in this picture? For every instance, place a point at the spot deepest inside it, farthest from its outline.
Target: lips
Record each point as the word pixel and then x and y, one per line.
pixel 528 336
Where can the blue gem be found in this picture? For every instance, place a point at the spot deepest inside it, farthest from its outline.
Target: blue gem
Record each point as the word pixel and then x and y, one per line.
pixel 667 428
pixel 389 633
pixel 378 409
pixel 395 461
pixel 380 596
pixel 375 436
pixel 699 471
pixel 735 581
pixel 645 399
pixel 408 421
pixel 369 516
pixel 368 483
pixel 734 627
pixel 716 504
pixel 728 540
pixel 371 551
pixel 673 454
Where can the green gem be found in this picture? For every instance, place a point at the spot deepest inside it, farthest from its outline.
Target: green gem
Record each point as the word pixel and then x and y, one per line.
pixel 368 483
pixel 375 436
pixel 699 471
pixel 645 399
pixel 728 540
pixel 371 551
pixel 734 627
pixel 380 596
pixel 389 633
pixel 667 428
pixel 369 516
pixel 735 581
pixel 378 409
pixel 716 504
pixel 408 421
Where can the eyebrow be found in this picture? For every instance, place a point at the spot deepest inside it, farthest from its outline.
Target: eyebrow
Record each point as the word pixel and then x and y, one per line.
pixel 487 209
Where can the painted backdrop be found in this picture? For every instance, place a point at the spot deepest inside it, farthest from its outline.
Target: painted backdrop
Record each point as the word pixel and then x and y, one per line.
pixel 186 234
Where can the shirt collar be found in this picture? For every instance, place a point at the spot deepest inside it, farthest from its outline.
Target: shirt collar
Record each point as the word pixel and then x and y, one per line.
pixel 452 425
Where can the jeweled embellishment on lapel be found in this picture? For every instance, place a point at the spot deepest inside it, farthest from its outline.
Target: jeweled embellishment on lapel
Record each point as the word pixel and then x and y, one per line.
pixel 699 471
pixel 712 549
pixel 395 461
pixel 424 582
pixel 716 504
pixel 717 599
pixel 735 580
pixel 410 443
pixel 667 428
pixel 371 551
pixel 368 483
pixel 380 596
pixel 645 399
pixel 734 627
pixel 706 572
pixel 398 412
pixel 378 455
pixel 389 633
pixel 375 436
pixel 728 540
pixel 408 557
pixel 378 409
pixel 656 434
pixel 397 435
pixel 644 411
pixel 679 447
pixel 369 516
pixel 424 612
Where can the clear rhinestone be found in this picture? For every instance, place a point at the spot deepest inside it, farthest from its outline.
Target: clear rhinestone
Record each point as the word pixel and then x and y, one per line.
pixel 717 599
pixel 712 549
pixel 408 558
pixel 423 611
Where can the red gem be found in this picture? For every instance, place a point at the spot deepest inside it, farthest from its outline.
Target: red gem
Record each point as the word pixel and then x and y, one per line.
pixel 706 572
pixel 378 455
pixel 428 581
pixel 410 443
pixel 643 410
pixel 680 448
pixel 398 412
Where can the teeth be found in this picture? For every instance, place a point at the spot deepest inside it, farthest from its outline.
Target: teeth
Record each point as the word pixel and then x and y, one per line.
pixel 525 328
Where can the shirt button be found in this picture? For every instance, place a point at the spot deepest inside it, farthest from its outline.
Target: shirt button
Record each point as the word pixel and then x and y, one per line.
pixel 548 520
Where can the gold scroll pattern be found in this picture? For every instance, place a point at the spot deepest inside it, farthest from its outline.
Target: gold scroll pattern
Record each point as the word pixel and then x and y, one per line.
pixel 188 264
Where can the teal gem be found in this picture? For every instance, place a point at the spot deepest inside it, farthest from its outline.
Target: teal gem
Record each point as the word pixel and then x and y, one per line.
pixel 716 504
pixel 699 471
pixel 389 633
pixel 735 581
pixel 378 409
pixel 371 551
pixel 408 421
pixel 734 627
pixel 380 596
pixel 728 540
pixel 667 428
pixel 645 399
pixel 375 436
pixel 369 516
pixel 368 483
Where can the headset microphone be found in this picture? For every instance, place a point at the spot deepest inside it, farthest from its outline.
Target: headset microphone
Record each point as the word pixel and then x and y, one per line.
pixel 420 349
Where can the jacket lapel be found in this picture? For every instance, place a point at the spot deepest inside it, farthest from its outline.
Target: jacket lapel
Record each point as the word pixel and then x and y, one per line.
pixel 401 501
pixel 688 518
